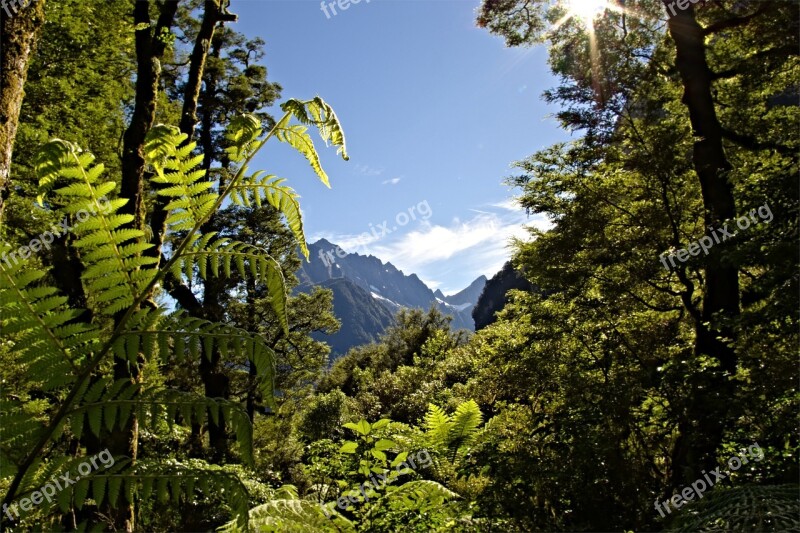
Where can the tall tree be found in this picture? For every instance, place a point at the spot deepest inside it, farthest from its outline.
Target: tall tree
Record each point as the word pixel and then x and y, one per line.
pixel 19 32
pixel 603 63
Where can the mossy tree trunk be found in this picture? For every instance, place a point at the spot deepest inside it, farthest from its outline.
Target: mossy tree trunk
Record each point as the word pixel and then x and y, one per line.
pixel 17 42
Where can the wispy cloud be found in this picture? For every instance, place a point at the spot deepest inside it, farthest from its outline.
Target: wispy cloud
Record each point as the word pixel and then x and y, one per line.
pixel 509 204
pixel 462 249
pixel 456 251
pixel 393 181
pixel 366 170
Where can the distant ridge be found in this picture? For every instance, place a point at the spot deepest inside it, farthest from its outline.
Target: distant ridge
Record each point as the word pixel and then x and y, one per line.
pixel 362 282
pixel 494 295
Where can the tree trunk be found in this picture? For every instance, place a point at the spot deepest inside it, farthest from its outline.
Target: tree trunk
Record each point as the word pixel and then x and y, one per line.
pixel 216 383
pixel 197 64
pixel 20 31
pixel 149 51
pixel 703 425
pixel 197 67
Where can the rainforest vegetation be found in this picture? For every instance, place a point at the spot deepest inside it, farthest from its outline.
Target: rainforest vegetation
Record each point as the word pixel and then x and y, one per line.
pixel 149 326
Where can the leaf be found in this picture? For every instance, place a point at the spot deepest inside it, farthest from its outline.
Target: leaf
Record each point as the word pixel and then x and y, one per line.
pixel 437 424
pixel 380 424
pixel 362 427
pixel 383 444
pixel 80 492
pixel 297 137
pixel 348 447
pixel 377 454
pixel 401 457
pixel 99 489
pixel 95 415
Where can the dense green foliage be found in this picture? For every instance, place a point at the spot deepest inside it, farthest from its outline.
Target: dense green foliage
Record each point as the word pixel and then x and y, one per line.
pixel 163 326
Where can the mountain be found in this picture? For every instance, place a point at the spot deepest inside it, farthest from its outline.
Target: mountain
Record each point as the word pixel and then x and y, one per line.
pixel 354 277
pixel 362 317
pixel 368 272
pixel 493 298
pixel 468 296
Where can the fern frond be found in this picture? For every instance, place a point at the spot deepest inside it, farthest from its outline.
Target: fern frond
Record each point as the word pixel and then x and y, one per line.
pixel 242 133
pixel 414 496
pixel 110 252
pixel 46 340
pixel 180 334
pixel 209 256
pixel 297 138
pixel 280 197
pixel 157 409
pixel 466 421
pixel 437 426
pixel 317 112
pixel 183 182
pixel 19 431
pixel 175 481
pixel 292 515
pixel 742 509
pixel 423 490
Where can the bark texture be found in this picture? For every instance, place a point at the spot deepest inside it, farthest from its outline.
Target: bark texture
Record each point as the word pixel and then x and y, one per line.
pixel 17 42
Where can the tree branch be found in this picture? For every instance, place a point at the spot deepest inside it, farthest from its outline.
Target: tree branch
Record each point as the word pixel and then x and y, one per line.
pixel 751 143
pixel 736 21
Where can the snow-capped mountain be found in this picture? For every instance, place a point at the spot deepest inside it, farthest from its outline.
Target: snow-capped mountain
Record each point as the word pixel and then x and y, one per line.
pixel 385 285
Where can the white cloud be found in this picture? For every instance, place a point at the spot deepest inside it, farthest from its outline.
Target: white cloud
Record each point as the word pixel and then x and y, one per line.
pixel 509 204
pixel 433 285
pixel 393 181
pixel 480 245
pixel 457 252
pixel 437 243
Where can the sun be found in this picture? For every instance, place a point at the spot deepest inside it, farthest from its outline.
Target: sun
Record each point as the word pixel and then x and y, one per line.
pixel 587 10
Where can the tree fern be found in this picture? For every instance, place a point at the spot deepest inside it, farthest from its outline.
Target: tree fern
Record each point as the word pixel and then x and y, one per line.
pixel 61 353
pixel 110 252
pixel 454 432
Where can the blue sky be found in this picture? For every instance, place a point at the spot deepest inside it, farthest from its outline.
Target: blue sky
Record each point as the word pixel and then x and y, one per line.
pixel 434 110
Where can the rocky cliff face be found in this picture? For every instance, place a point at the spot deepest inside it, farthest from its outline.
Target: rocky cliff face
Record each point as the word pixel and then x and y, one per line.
pixel 363 319
pixel 493 298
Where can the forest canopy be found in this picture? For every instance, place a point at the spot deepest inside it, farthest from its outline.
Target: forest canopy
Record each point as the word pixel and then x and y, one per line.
pixel 164 367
